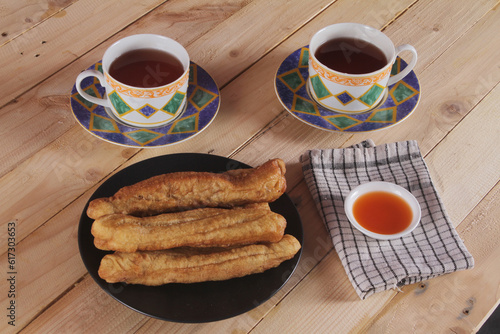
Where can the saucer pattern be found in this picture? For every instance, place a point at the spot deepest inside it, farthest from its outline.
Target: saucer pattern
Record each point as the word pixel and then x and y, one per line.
pixel 202 106
pixel 291 88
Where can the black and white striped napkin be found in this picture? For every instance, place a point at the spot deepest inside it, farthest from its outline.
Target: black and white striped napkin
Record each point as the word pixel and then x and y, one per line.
pixel 432 249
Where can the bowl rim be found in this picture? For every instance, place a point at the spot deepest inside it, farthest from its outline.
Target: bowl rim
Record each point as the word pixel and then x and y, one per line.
pixel 390 187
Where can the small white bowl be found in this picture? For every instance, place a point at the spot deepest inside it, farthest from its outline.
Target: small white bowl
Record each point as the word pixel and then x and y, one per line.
pixel 387 187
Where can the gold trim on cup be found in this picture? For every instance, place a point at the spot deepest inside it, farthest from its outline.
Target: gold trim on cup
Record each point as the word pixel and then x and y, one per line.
pixel 328 74
pixel 147 92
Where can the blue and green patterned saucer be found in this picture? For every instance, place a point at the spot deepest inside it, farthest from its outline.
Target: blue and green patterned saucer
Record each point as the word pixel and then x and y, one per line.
pixel 291 88
pixel 202 107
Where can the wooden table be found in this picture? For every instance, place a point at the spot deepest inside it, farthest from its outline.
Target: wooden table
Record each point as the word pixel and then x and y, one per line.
pixel 50 165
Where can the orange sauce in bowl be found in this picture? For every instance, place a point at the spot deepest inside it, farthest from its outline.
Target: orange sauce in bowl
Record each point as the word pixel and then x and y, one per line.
pixel 382 212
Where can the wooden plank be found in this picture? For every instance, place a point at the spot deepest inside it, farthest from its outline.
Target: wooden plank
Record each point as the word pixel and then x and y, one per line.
pixel 43 185
pixel 232 47
pixel 456 301
pixel 53 106
pixel 459 301
pixel 464 185
pixel 438 32
pixel 439 109
pixel 20 16
pixel 94 306
pixel 328 282
pixel 248 319
pixel 48 103
pixel 59 164
pixel 464 174
pixel 283 133
pixel 36 252
pixel 81 300
pixel 67 157
pixel 323 302
pixel 243 156
pixel 61 39
pixel 51 246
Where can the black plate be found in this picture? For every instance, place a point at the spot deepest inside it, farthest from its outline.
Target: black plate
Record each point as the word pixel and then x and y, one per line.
pixel 196 302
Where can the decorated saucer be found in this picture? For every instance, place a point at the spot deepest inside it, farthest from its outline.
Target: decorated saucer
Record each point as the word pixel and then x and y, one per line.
pixel 291 87
pixel 201 108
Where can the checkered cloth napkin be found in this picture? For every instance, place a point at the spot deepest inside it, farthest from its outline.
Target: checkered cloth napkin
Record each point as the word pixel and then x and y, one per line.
pixel 432 249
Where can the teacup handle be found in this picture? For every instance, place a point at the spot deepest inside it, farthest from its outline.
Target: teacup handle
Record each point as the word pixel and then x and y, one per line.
pixel 88 97
pixel 408 68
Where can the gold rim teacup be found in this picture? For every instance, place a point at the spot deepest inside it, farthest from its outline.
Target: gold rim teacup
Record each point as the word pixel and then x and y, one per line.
pixel 137 106
pixel 353 93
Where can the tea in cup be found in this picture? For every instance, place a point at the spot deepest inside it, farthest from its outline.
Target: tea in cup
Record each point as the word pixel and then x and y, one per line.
pixel 350 66
pixel 146 78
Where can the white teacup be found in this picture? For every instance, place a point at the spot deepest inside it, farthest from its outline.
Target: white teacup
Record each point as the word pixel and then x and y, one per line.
pixel 139 106
pixel 353 93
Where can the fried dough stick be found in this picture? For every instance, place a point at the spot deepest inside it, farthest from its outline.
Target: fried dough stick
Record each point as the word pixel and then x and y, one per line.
pixel 207 227
pixel 189 190
pixel 191 265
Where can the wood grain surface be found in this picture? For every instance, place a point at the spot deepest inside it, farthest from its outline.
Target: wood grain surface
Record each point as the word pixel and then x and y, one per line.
pixel 50 165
